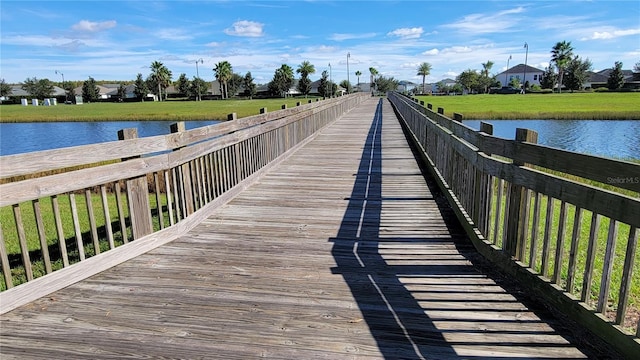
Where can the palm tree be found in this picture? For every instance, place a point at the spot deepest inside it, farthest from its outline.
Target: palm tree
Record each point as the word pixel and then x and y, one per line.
pixel 424 70
pixel 160 75
pixel 223 72
pixel 165 79
pixel 561 54
pixel 358 73
pixel 373 73
pixel 486 67
pixel 304 70
pixel 282 80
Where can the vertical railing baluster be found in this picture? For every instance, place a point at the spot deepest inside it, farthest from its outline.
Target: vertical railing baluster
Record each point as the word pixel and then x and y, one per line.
pixel 587 279
pixel 573 253
pixel 4 259
pixel 62 241
pixel 76 226
pixel 92 222
pixel 627 273
pixel 44 246
pixel 609 255
pixel 558 261
pixel 107 216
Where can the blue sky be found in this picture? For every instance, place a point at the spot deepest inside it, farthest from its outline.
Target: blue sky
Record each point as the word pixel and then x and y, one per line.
pixel 115 40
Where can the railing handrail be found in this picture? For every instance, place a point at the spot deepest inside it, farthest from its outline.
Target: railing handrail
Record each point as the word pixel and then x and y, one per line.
pixel 207 138
pixel 47 160
pixel 564 161
pixel 499 203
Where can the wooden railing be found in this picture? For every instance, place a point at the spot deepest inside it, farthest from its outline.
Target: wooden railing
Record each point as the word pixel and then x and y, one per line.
pixel 574 243
pixel 141 192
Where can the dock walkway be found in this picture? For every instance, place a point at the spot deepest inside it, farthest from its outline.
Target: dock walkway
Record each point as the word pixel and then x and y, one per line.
pixel 343 251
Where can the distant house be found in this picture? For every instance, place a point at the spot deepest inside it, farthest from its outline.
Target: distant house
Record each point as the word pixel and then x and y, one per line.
pixel 435 88
pixel 600 79
pixel 104 92
pixel 262 90
pixel 521 72
pixel 406 85
pixel 363 87
pixel 17 91
pixel 596 80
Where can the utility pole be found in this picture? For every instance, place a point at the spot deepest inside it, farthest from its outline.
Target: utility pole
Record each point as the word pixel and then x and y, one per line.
pixel 63 88
pixel 330 81
pixel 526 55
pixel 198 76
pixel 348 81
pixel 506 74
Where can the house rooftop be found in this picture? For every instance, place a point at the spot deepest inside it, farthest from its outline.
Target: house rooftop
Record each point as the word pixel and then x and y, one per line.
pixel 522 68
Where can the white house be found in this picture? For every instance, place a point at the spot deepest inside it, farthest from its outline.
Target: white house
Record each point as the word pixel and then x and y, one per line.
pixel 521 72
pixel 435 87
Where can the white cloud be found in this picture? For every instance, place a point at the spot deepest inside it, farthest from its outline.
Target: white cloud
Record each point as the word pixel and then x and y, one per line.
pixel 323 49
pixel 342 37
pixel 91 26
pixel 72 46
pixel 611 34
pixel 450 74
pixel 457 50
pixel 407 33
pixel 245 28
pixel 488 23
pixel 432 52
pixel 173 34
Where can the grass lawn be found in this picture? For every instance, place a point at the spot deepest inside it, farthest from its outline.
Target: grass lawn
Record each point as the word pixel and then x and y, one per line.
pixel 576 106
pixel 173 110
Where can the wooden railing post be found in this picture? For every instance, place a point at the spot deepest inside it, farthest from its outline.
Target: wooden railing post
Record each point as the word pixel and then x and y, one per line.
pixel 484 190
pixel 184 197
pixel 137 196
pixel 518 213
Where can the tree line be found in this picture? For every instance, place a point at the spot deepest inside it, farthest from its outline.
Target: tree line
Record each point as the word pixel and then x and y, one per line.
pixel 566 70
pixel 230 83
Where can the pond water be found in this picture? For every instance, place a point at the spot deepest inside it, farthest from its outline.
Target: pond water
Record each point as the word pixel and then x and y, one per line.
pixel 16 138
pixel 609 138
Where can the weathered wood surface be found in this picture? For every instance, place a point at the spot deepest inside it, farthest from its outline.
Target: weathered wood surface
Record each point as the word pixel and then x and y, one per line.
pixel 342 251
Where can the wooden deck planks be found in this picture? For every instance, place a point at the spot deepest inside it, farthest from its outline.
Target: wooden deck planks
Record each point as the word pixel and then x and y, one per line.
pixel 342 251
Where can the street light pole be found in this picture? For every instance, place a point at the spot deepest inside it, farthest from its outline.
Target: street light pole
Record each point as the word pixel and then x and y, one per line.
pixel 526 55
pixel 506 74
pixel 198 76
pixel 348 81
pixel 330 81
pixel 65 90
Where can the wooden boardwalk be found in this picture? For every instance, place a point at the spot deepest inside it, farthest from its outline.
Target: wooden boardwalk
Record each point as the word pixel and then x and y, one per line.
pixel 341 252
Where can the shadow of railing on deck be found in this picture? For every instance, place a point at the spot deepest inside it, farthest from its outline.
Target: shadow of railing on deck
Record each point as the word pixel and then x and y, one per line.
pixel 391 284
